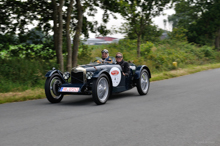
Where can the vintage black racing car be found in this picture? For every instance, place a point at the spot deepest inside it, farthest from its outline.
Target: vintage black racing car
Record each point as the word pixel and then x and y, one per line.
pixel 98 78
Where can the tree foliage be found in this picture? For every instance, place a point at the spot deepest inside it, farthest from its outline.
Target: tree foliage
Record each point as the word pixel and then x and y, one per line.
pixel 178 34
pixel 150 33
pixel 139 13
pixel 200 18
pixel 68 19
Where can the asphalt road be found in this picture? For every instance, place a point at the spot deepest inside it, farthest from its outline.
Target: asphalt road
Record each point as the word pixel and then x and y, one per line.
pixel 183 111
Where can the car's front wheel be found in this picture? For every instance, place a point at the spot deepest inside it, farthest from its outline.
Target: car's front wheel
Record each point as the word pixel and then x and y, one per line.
pixel 51 88
pixel 101 89
pixel 143 83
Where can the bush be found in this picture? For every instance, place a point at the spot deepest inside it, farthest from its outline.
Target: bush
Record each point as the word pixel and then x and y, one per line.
pixel 178 34
pixel 208 52
pixel 160 56
pixel 84 54
pixel 146 48
pixel 28 51
pixel 20 74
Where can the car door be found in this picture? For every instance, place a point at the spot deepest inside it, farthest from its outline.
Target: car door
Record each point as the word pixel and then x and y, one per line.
pixel 118 79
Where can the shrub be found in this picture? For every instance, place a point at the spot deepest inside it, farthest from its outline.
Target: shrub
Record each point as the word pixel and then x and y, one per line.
pixel 178 34
pixel 160 56
pixel 20 74
pixel 28 51
pixel 84 54
pixel 146 48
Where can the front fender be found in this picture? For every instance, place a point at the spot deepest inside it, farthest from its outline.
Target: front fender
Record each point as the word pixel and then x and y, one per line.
pixel 139 69
pixel 51 72
pixel 98 73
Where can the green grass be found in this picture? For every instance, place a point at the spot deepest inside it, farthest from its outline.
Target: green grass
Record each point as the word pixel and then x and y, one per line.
pixel 30 94
pixel 183 71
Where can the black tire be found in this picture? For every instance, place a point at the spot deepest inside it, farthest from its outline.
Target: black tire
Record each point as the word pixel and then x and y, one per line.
pixel 143 83
pixel 51 88
pixel 101 95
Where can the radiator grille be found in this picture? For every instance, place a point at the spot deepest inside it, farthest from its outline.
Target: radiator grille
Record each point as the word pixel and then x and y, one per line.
pixel 77 77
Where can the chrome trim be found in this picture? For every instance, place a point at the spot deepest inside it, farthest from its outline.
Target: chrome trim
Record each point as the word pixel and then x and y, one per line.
pixel 80 69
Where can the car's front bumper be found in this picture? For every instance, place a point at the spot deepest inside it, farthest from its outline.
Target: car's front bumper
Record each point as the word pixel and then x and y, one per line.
pixel 68 88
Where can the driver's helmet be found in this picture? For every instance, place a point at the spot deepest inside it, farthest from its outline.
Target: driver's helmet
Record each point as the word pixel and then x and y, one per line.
pixel 104 51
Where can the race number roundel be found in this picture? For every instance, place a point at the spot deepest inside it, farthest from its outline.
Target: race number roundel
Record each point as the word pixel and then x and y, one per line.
pixel 115 74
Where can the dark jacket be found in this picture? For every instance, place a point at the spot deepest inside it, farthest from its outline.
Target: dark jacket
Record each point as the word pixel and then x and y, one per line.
pixel 125 67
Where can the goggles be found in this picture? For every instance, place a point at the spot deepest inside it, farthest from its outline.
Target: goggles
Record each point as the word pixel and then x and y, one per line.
pixel 104 51
pixel 118 56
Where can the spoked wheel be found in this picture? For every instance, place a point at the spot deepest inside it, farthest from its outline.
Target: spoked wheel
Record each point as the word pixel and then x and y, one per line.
pixel 51 88
pixel 143 83
pixel 101 90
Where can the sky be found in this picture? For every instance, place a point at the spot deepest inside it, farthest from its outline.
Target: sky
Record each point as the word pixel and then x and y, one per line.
pixel 117 22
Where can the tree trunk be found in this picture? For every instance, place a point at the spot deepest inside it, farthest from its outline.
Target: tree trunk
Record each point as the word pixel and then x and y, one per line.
pixel 60 35
pixel 55 29
pixel 138 45
pixel 69 49
pixel 217 40
pixel 76 39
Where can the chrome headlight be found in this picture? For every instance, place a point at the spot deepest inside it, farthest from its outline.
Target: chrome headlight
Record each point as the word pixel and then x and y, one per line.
pixel 89 75
pixel 133 67
pixel 66 75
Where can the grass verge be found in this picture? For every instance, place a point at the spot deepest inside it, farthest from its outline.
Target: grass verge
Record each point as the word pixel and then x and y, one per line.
pixel 38 93
pixel 183 71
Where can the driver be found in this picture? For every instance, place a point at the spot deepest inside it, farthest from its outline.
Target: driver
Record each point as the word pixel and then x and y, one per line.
pixel 105 56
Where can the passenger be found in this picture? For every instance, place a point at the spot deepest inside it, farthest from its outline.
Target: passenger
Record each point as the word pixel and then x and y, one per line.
pixel 124 65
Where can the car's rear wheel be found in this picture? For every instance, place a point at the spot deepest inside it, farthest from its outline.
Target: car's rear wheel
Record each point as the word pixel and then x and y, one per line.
pixel 143 83
pixel 51 88
pixel 101 89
